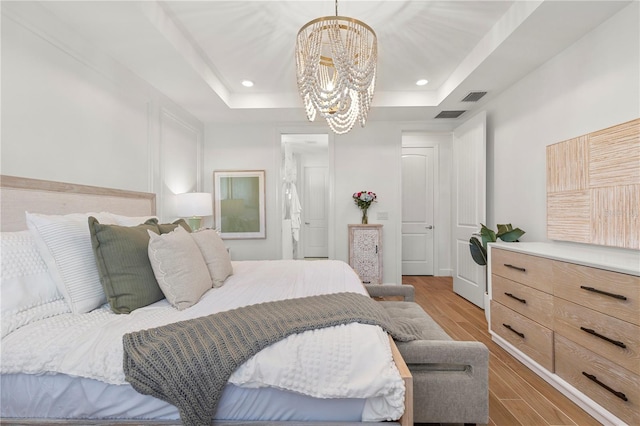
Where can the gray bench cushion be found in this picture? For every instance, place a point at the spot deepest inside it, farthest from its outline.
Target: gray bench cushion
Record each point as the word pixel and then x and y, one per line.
pixel 412 313
pixel 407 291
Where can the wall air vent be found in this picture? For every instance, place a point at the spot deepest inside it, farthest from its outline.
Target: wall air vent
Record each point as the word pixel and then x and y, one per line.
pixel 450 114
pixel 473 96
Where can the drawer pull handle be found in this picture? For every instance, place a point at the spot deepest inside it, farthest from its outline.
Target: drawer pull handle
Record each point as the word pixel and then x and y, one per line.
pixel 517 332
pixel 517 298
pixel 615 342
pixel 593 378
pixel 515 267
pixel 595 290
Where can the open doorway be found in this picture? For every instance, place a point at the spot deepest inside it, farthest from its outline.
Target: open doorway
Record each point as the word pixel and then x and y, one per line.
pixel 305 196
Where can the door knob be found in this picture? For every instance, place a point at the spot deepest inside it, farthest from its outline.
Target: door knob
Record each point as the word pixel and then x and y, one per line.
pixel 428 227
pixel 307 223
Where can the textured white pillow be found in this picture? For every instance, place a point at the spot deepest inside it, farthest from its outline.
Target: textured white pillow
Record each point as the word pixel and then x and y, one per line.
pixel 215 254
pixel 64 242
pixel 178 267
pixel 28 292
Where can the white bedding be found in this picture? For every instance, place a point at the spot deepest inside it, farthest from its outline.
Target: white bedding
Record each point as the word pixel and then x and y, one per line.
pixel 59 396
pixel 350 361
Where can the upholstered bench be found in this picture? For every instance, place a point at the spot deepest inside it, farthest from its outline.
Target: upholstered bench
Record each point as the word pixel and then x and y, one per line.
pixel 450 378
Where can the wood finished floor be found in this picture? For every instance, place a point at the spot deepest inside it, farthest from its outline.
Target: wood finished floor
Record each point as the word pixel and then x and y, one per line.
pixel 517 396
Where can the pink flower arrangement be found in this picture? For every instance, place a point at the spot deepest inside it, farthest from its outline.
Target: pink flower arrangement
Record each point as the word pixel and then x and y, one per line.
pixel 363 199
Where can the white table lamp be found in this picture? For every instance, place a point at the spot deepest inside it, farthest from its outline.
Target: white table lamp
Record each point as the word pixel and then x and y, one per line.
pixel 193 206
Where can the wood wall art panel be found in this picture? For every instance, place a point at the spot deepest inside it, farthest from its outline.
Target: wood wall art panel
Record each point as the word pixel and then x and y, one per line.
pixel 615 216
pixel 566 165
pixel 593 188
pixel 569 216
pixel 608 216
pixel 614 155
pixel 632 226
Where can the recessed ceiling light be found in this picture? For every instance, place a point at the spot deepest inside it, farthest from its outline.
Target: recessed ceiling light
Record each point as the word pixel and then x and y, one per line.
pixel 247 83
pixel 422 82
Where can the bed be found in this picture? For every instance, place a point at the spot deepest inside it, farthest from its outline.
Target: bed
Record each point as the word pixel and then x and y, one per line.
pixel 347 373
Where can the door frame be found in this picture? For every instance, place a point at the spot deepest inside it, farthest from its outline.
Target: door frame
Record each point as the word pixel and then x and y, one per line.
pixel 304 237
pixel 442 144
pixel 436 204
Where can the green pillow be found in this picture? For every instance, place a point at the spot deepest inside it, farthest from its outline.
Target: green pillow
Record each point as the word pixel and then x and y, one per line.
pixel 165 228
pixel 123 264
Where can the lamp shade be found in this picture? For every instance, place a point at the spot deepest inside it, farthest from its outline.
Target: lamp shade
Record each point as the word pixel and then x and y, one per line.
pixel 192 204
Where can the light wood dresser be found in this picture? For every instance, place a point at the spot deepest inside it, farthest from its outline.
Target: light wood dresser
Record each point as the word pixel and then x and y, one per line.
pixel 571 313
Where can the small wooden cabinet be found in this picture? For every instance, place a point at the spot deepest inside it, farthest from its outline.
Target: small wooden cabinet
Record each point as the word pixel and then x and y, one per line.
pixel 365 252
pixel 572 315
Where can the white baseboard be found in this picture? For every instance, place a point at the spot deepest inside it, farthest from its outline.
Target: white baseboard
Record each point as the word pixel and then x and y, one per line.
pixel 445 272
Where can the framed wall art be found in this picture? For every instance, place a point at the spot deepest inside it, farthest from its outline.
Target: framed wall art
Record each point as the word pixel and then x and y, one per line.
pixel 239 211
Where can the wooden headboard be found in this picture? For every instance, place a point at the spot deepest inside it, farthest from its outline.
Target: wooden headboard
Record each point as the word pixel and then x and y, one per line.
pixel 18 195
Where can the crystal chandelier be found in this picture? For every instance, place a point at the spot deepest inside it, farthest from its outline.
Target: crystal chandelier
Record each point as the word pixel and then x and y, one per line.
pixel 336 70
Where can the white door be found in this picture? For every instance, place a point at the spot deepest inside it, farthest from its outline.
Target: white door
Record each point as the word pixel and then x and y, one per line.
pixel 417 211
pixel 315 212
pixel 469 205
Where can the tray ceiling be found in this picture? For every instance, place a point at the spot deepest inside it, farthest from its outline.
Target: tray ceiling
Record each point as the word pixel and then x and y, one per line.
pixel 198 52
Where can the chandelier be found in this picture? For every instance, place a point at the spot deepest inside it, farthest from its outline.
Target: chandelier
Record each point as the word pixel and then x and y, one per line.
pixel 336 70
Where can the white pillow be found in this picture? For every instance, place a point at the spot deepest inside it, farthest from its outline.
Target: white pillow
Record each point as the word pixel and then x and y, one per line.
pixel 28 292
pixel 215 254
pixel 178 267
pixel 130 220
pixel 64 243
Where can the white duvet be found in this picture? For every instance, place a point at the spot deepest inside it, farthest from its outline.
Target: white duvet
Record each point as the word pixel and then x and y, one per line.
pixel 349 361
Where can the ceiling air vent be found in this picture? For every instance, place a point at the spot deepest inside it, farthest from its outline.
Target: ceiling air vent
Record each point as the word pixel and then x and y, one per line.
pixel 450 114
pixel 473 96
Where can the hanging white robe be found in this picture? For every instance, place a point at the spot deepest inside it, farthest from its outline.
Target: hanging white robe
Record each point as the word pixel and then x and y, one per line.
pixel 295 209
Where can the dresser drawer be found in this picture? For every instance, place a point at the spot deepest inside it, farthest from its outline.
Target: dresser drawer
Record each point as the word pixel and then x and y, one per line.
pixel 615 383
pixel 611 293
pixel 527 335
pixel 614 339
pixel 525 300
pixel 530 270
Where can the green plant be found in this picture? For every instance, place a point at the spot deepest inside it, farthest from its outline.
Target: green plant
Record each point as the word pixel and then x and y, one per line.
pixel 479 249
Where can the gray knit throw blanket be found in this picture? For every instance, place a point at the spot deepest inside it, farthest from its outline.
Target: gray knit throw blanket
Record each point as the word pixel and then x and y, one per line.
pixel 188 363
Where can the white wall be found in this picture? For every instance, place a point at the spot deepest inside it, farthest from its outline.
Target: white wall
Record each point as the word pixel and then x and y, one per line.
pixel 591 85
pixel 71 114
pixel 364 159
pixel 370 159
pixel 248 147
